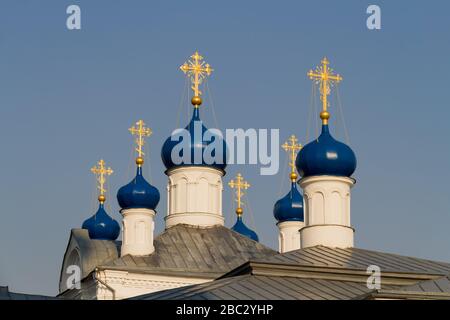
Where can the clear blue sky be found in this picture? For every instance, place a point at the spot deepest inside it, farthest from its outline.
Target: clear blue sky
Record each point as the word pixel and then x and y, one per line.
pixel 68 97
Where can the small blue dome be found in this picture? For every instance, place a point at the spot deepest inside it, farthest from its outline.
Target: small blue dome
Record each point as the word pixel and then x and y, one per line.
pixel 326 156
pixel 241 228
pixel 290 207
pixel 101 226
pixel 197 147
pixel 138 194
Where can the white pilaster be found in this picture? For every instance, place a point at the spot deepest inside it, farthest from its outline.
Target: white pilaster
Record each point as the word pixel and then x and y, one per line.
pixel 327 211
pixel 194 196
pixel 138 231
pixel 289 236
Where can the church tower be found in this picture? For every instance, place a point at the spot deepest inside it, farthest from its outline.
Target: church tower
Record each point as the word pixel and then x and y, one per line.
pixel 138 200
pixel 195 158
pixel 289 210
pixel 326 166
pixel 101 226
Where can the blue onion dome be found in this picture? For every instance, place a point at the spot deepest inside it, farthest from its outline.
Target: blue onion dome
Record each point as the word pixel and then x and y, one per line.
pixel 290 207
pixel 138 193
pixel 326 156
pixel 101 226
pixel 214 157
pixel 241 228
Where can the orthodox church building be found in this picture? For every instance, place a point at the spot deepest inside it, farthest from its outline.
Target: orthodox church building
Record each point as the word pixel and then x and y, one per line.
pixel 197 257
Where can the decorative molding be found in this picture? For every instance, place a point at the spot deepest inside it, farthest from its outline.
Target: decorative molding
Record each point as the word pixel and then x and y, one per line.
pixel 126 284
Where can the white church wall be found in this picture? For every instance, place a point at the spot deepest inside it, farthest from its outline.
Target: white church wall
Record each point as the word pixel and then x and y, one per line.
pixel 137 232
pixel 194 196
pixel 289 236
pixel 327 212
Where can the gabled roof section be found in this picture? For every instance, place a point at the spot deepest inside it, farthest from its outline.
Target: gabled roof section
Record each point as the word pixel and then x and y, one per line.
pixel 206 252
pixel 360 259
pixel 86 253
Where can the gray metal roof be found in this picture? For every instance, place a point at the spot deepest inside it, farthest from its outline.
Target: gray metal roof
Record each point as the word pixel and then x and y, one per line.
pixel 86 253
pixel 441 285
pixel 355 258
pixel 5 294
pixel 323 273
pixel 253 287
pixel 201 251
pixel 435 289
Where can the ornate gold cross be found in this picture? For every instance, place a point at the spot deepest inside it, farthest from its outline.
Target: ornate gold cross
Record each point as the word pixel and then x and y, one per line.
pixel 101 171
pixel 196 70
pixel 325 78
pixel 141 131
pixel 240 184
pixel 292 148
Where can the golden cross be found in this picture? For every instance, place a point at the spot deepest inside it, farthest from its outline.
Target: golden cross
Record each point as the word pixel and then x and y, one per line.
pixel 239 184
pixel 293 147
pixel 141 131
pixel 101 171
pixel 196 70
pixel 325 77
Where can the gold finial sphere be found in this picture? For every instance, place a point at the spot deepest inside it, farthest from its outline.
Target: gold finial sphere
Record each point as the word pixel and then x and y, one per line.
pixel 239 211
pixel 196 101
pixel 101 198
pixel 324 115
pixel 139 161
pixel 293 176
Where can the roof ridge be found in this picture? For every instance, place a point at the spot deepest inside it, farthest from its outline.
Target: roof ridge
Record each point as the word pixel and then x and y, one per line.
pixel 214 250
